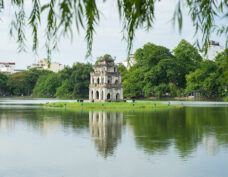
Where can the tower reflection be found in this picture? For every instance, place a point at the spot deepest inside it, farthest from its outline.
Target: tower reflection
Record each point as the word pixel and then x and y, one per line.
pixel 106 129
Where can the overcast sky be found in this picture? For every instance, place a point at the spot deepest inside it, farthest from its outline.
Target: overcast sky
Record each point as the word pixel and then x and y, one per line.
pixel 108 37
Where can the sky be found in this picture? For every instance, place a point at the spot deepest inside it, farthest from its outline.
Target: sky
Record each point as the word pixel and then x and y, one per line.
pixel 107 39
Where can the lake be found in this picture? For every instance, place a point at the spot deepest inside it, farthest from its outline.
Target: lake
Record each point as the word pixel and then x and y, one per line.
pixel 47 142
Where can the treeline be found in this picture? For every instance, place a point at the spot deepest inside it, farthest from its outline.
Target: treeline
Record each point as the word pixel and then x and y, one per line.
pixel 72 82
pixel 160 72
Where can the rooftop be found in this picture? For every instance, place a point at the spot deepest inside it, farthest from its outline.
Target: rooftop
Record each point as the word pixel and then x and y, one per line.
pixel 105 61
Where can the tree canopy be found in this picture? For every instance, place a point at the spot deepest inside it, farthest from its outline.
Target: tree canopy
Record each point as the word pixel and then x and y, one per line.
pixel 75 81
pixel 188 59
pixel 62 15
pixel 71 82
pixel 209 79
pixel 46 85
pixel 3 82
pixel 159 71
pixel 23 83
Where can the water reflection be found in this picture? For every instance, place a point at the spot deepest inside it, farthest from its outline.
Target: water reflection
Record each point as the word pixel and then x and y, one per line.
pixel 211 144
pixel 54 142
pixel 184 129
pixel 106 129
pixel 43 121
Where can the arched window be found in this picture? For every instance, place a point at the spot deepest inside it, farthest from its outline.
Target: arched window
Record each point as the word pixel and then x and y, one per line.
pixel 108 96
pixel 93 81
pixel 116 82
pixel 97 95
pixel 109 79
pixel 114 69
pixel 92 95
pixel 117 96
pixel 98 80
pixel 102 80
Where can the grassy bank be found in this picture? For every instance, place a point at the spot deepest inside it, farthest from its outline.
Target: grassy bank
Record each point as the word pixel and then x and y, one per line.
pixel 111 106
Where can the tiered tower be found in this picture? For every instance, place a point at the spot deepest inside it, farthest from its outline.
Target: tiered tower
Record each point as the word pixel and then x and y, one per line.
pixel 105 81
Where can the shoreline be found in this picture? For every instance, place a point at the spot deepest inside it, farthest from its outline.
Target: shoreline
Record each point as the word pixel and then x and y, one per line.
pixel 154 99
pixel 110 106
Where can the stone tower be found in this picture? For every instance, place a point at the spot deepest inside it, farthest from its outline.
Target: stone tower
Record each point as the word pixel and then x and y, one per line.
pixel 105 81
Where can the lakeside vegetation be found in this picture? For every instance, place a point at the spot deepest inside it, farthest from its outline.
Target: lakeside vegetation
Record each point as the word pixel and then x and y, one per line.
pixel 70 83
pixel 111 106
pixel 158 72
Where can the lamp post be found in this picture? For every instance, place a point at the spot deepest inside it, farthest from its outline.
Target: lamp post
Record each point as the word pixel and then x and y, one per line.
pixel 169 105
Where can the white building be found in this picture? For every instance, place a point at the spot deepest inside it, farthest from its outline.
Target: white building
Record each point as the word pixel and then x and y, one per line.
pixel 7 68
pixel 43 64
pixel 213 49
pixel 129 63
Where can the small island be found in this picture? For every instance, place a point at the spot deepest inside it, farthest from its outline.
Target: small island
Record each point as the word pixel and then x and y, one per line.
pixel 111 105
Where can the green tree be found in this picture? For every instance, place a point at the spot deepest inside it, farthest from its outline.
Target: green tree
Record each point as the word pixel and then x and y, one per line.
pixel 46 85
pixel 16 84
pixel 207 79
pixel 163 73
pixel 158 72
pixel 134 82
pixel 3 84
pixel 188 59
pixel 173 90
pixel 155 65
pixel 150 55
pixel 222 62
pixel 65 90
pixel 31 77
pixel 22 83
pixel 121 68
pixel 161 90
pixel 75 81
pixel 225 71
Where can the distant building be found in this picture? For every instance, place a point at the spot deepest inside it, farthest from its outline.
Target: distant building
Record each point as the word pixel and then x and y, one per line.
pixel 7 68
pixel 213 49
pixel 43 64
pixel 105 81
pixel 131 62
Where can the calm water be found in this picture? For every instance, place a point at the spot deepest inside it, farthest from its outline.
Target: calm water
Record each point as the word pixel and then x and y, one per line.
pixel 186 142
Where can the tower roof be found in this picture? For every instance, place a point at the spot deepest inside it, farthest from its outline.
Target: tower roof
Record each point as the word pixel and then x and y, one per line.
pixel 105 61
